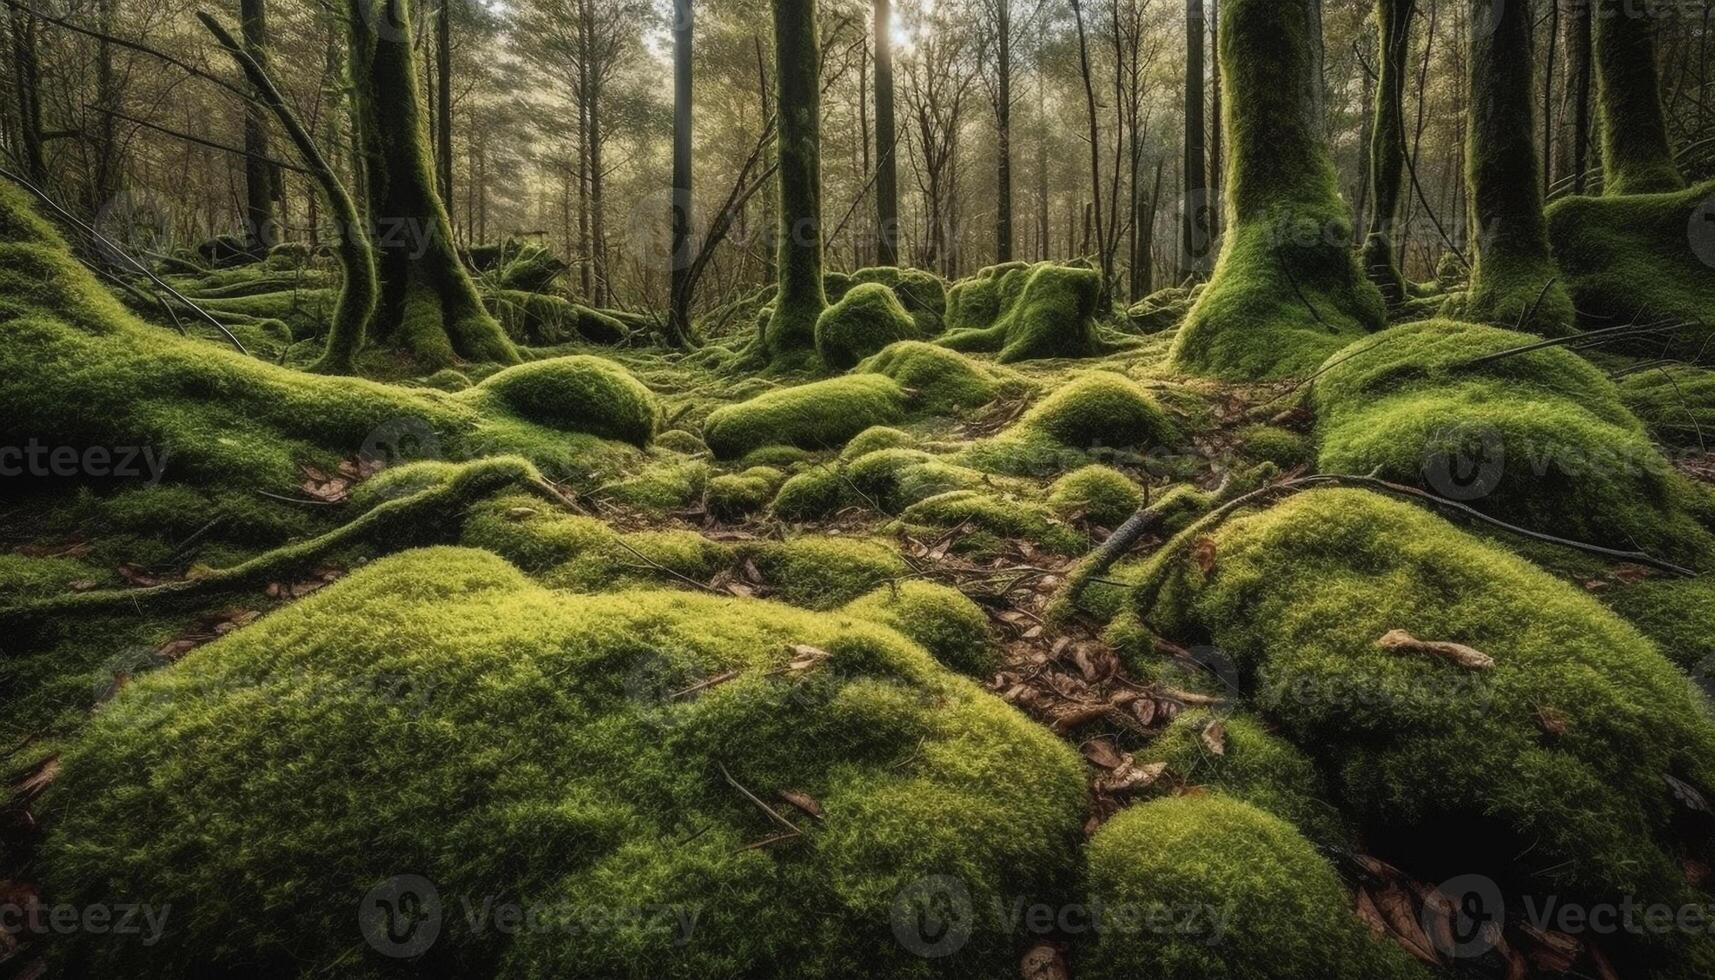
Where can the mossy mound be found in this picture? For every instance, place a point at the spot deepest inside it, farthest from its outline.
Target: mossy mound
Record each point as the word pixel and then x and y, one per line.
pixel 498 740
pixel 581 393
pixel 1676 402
pixel 1282 447
pixel 1646 258
pixel 874 439
pixel 1539 439
pixel 819 572
pixel 815 493
pixel 820 415
pixel 1026 312
pixel 1206 886
pixel 893 479
pixel 680 441
pixel 942 381
pixel 1104 495
pixel 994 518
pixel 923 294
pixel 947 624
pixel 1678 614
pixel 1161 311
pixel 543 320
pixel 1553 771
pixel 867 319
pixel 1097 413
pixel 735 496
pixel 665 483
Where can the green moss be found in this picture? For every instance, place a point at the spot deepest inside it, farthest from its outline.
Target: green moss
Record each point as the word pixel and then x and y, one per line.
pixel 951 627
pixel 681 441
pixel 1255 766
pixel 820 415
pixel 1025 313
pixel 542 320
pixel 1104 495
pixel 998 516
pixel 867 319
pixel 923 294
pixel 662 485
pixel 1454 770
pixel 1676 402
pixel 874 439
pixel 22 577
pixel 1097 413
pixel 1644 259
pixel 1206 886
pixel 778 457
pixel 581 393
pixel 816 493
pixel 825 572
pixel 1282 447
pixel 1678 614
pixel 1637 156
pixel 736 496
pixel 1539 439
pixel 1160 311
pixel 942 381
pixel 893 479
pixel 447 379
pixel 432 734
pixel 1287 290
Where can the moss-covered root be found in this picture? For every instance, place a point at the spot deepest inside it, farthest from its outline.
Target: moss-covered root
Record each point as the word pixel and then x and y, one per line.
pixel 578 394
pixel 1514 282
pixel 1636 155
pixel 1645 259
pixel 617 768
pixel 790 332
pixel 429 306
pixel 1287 290
pixel 868 318
pixel 1027 312
pixel 822 415
pixel 1556 770
pixel 1541 439
pixel 1208 886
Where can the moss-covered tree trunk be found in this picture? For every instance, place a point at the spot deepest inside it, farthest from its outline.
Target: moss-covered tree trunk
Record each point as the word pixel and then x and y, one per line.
pixel 797 66
pixel 1636 155
pixel 1288 290
pixel 1387 149
pixel 260 177
pixel 1193 234
pixel 429 306
pixel 886 140
pixel 1514 282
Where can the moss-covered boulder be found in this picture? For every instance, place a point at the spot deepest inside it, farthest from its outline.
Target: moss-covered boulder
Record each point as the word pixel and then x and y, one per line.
pixel 439 730
pixel 1645 259
pixel 735 496
pixel 821 572
pixel 1096 414
pixel 951 627
pixel 1026 312
pixel 1539 439
pixel 1208 886
pixel 582 393
pixel 543 320
pixel 1102 494
pixel 942 381
pixel 1161 310
pixel 994 519
pixel 874 439
pixel 1675 401
pixel 893 479
pixel 1563 768
pixel 923 294
pixel 868 318
pixel 820 415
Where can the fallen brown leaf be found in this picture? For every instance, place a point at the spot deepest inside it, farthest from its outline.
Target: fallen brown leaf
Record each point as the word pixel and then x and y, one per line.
pixel 1215 737
pixel 804 802
pixel 1044 962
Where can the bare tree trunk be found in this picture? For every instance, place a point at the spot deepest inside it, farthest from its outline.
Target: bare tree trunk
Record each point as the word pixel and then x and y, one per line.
pixel 260 189
pixel 444 104
pixel 27 76
pixel 104 184
pixel 1548 98
pixel 1194 245
pixel 1215 130
pixel 886 141
pixel 1003 132
pixel 1044 233
pixel 679 323
pixel 1095 159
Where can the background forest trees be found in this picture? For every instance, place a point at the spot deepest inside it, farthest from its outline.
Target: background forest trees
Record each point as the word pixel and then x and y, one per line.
pixel 557 116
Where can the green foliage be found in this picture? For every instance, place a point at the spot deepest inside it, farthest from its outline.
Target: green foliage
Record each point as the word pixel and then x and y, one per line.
pixel 820 415
pixel 1104 495
pixel 867 319
pixel 943 381
pixel 1635 259
pixel 952 628
pixel 1206 886
pixel 580 393
pixel 1454 769
pixel 431 734
pixel 1287 290
pixel 1025 313
pixel 1545 438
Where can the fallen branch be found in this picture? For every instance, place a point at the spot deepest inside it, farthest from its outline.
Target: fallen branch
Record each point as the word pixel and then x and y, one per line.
pixel 1470 658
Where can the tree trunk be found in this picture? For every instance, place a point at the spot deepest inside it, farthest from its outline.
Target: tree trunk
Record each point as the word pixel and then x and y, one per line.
pixel 1582 41
pixel 1095 160
pixel 797 63
pixel 1003 133
pixel 1548 98
pixel 104 183
pixel 1193 230
pixel 27 77
pixel 1215 148
pixel 429 305
pixel 1388 150
pixel 444 104
pixel 1636 156
pixel 1514 282
pixel 886 141
pixel 262 231
pixel 679 323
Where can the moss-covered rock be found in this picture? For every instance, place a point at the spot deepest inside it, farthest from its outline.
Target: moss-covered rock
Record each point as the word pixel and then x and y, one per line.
pixel 1645 259
pixel 1161 310
pixel 1678 614
pixel 823 572
pixel 1539 439
pixel 1555 771
pixel 947 624
pixel 500 741
pixel 1282 447
pixel 815 493
pixel 1676 402
pixel 874 439
pixel 820 415
pixel 582 393
pixel 1024 313
pixel 867 319
pixel 923 294
pixel 1104 495
pixel 681 441
pixel 735 496
pixel 893 479
pixel 664 483
pixel 1207 886
pixel 1097 413
pixel 996 517
pixel 943 381
pixel 542 319
pixel 1287 290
